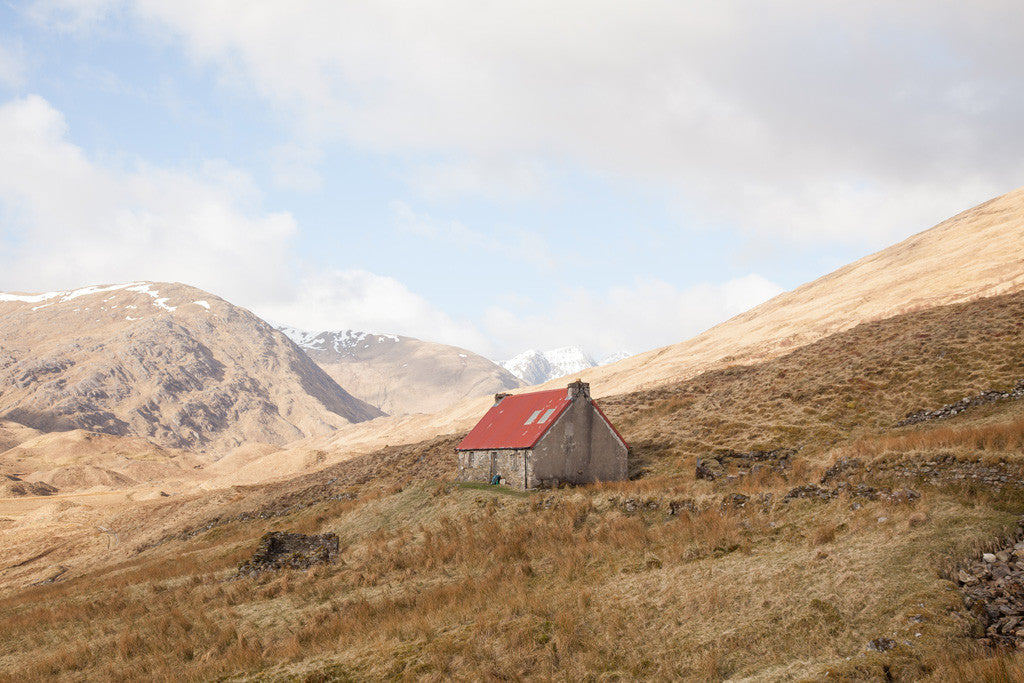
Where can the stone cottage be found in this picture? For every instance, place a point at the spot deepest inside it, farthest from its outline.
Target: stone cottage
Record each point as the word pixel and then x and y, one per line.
pixel 544 438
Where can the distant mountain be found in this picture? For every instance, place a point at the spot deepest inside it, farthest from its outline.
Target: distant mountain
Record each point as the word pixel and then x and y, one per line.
pixel 976 254
pixel 401 375
pixel 167 362
pixel 537 367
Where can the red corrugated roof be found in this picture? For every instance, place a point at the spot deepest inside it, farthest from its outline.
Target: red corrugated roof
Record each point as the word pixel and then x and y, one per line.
pixel 509 425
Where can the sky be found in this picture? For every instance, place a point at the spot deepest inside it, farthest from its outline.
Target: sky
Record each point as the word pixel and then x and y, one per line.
pixel 495 175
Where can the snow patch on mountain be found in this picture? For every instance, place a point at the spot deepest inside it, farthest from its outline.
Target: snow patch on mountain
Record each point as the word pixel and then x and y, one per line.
pixel 537 367
pixel 69 294
pixel 341 341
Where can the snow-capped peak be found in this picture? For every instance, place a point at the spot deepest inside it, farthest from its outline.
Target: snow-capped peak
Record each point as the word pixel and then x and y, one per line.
pixel 537 367
pixel 69 294
pixel 340 341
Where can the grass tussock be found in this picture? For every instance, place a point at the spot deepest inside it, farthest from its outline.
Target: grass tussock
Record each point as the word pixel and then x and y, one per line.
pixel 1000 437
pixel 562 584
pixel 661 577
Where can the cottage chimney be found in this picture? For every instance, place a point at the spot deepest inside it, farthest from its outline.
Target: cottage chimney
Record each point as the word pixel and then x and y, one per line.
pixel 498 397
pixel 577 389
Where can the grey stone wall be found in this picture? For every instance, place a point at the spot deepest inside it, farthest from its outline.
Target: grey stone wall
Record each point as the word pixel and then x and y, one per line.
pixel 512 464
pixel 580 448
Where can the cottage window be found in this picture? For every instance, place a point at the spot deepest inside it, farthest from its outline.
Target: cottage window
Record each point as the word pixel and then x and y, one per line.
pixel 547 414
pixel 529 420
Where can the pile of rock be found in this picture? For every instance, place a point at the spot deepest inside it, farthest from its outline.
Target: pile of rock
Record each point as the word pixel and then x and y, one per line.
pixel 732 465
pixel 963 404
pixel 280 550
pixel 993 590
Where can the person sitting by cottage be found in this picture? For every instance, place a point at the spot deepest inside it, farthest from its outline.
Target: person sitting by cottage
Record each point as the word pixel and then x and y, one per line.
pixel 496 480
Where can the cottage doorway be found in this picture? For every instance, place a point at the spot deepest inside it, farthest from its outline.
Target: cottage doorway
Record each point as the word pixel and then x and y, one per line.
pixel 494 466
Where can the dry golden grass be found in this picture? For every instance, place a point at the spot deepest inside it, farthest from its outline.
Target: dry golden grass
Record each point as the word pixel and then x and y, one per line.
pixel 438 580
pixel 491 585
pixel 1004 437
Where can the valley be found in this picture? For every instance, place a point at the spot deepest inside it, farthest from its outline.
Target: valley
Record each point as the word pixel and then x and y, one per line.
pixel 667 575
pixel 784 518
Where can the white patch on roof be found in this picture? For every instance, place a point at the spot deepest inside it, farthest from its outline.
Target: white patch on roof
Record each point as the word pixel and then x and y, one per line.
pixel 547 415
pixel 205 304
pixel 529 420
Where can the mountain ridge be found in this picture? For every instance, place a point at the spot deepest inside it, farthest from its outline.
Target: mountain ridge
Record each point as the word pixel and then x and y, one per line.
pixel 402 375
pixel 976 253
pixel 534 366
pixel 163 361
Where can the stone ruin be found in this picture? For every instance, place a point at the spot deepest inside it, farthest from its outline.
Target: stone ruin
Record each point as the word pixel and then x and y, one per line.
pixel 283 550
pixel 731 465
pixel 951 409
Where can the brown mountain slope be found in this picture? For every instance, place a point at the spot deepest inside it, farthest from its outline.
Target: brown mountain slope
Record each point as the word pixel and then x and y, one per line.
pixel 977 253
pixel 401 375
pixel 735 578
pixel 167 362
pixel 13 433
pixel 80 460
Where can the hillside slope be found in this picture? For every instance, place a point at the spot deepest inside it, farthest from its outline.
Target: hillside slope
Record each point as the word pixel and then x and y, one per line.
pixel 977 253
pixel 79 460
pixel 829 561
pixel 167 362
pixel 401 375
pixel 974 254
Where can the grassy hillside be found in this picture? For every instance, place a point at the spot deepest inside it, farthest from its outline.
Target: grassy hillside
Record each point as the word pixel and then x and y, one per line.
pixel 666 576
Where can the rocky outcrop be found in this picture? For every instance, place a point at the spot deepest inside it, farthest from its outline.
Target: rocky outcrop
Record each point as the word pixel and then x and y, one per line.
pixel 951 409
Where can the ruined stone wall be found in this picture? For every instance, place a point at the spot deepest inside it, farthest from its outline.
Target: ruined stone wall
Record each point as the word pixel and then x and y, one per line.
pixel 580 448
pixel 281 550
pixel 512 464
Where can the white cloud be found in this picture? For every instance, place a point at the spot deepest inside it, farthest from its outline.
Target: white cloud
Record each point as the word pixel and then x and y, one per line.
pixel 647 314
pixel 771 117
pixel 499 179
pixel 70 222
pixel 356 299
